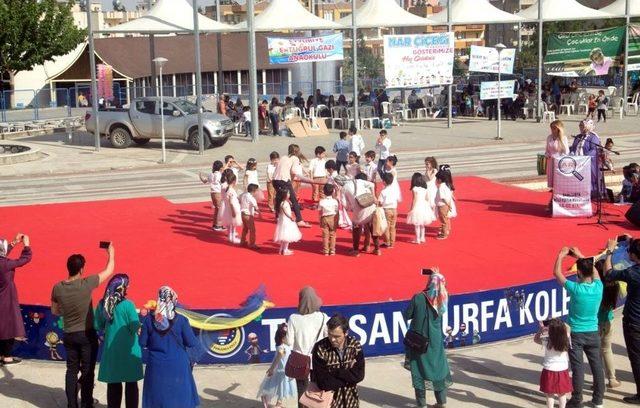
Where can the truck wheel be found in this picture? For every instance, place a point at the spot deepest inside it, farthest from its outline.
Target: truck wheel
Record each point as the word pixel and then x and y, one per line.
pixel 194 142
pixel 141 141
pixel 120 138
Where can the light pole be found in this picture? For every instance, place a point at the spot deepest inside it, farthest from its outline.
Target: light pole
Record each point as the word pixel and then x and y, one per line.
pixel 160 61
pixel 499 48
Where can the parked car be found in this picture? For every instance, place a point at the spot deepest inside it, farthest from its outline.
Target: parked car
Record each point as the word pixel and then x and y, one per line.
pixel 142 122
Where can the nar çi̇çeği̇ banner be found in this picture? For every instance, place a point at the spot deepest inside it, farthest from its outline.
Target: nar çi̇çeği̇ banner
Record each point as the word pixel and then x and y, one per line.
pixel 588 53
pixel 305 49
pixel 418 60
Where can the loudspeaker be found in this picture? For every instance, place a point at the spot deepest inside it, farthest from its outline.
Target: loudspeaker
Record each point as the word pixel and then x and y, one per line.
pixel 633 215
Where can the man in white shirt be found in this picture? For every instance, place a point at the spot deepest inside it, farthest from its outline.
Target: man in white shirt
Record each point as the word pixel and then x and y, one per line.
pixel 362 217
pixel 287 168
pixel 328 208
pixel 357 142
pixel 383 149
pixel 248 210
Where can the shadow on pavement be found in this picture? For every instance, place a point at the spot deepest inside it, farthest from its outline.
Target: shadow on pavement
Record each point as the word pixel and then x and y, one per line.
pixel 36 394
pixel 225 398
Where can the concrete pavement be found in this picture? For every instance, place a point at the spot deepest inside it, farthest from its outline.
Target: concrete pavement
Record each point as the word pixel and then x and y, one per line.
pixel 498 375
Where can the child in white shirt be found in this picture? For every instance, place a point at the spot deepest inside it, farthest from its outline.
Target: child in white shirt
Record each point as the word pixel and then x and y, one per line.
pixel 370 167
pixel 445 202
pixel 246 118
pixel 274 158
pixel 555 379
pixel 231 163
pixel 353 167
pixel 318 173
pixel 328 208
pixel 248 210
pixel 388 200
pixel 215 182
pixel 356 142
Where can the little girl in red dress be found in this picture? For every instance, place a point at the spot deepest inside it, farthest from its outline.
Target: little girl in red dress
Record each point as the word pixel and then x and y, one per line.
pixel 555 381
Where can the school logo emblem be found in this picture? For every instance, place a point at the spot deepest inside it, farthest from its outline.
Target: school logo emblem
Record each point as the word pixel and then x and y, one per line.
pixel 222 343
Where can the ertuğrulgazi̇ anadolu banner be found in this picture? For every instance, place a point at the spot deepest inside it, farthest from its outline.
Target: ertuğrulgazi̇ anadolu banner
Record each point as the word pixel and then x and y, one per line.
pixel 584 53
pixel 291 50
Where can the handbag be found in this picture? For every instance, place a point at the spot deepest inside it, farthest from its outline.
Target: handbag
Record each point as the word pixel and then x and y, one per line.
pixel 380 224
pixel 314 397
pixel 364 200
pixel 415 341
pixel 298 365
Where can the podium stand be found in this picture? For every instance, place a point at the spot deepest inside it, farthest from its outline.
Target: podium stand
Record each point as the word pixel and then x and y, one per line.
pixel 571 186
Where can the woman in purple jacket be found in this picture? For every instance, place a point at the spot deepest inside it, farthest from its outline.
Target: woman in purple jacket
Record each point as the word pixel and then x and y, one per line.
pixel 11 324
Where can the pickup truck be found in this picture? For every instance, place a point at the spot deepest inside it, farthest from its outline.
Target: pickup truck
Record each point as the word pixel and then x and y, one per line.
pixel 141 122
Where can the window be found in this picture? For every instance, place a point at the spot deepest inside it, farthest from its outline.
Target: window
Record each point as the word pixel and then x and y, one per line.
pixel 184 84
pixel 328 15
pixel 148 107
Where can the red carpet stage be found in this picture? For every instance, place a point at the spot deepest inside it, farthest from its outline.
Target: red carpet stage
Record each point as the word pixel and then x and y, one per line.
pixel 502 237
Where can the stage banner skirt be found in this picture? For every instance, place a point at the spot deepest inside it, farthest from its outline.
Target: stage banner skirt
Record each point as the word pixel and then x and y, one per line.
pixel 572 186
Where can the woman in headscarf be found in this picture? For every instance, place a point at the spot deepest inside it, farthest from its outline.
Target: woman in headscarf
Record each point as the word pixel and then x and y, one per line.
pixel 168 378
pixel 121 360
pixel 557 145
pixel 305 329
pixel 429 370
pixel 11 324
pixel 586 144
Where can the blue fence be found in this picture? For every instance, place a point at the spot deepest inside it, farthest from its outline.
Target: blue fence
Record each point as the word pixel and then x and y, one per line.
pixel 472 318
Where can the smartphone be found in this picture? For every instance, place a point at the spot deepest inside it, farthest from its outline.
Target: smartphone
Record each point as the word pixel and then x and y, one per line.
pixel 104 244
pixel 427 272
pixel 573 254
pixel 622 238
pixel 545 323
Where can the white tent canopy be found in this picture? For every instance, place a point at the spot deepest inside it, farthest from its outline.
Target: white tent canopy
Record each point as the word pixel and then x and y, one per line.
pixel 559 10
pixel 286 15
pixel 618 8
pixel 384 13
pixel 169 16
pixel 474 12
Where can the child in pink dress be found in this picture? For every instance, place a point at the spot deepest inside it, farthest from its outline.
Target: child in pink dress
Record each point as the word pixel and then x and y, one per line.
pixel 287 230
pixel 231 216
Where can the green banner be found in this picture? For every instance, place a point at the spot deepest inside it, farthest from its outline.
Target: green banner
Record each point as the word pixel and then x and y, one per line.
pixel 585 53
pixel 634 48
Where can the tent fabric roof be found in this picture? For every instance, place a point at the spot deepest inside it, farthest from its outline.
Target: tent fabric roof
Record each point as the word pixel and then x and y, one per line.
pixel 169 16
pixel 130 56
pixel 286 15
pixel 384 13
pixel 474 12
pixel 618 8
pixel 559 10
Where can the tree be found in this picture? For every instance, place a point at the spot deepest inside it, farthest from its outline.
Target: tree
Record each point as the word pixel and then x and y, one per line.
pixel 33 32
pixel 370 66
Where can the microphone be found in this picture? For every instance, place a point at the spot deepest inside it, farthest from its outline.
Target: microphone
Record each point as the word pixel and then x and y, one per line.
pixel 578 136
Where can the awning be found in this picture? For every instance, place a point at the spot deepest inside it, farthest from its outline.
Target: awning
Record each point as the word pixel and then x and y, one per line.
pixel 474 12
pixel 169 16
pixel 288 15
pixel 384 13
pixel 560 10
pixel 618 8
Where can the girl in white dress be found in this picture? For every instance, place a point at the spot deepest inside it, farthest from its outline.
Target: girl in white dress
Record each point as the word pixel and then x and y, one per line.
pixel 287 230
pixel 390 167
pixel 422 212
pixel 251 177
pixel 231 217
pixel 431 168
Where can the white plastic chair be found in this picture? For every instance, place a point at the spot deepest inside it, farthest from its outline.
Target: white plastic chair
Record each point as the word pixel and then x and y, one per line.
pixel 633 104
pixel 568 106
pixel 583 104
pixel 547 115
pixel 367 115
pixel 338 116
pixel 351 113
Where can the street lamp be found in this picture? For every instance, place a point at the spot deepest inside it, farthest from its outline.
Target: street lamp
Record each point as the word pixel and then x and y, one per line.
pixel 499 48
pixel 160 61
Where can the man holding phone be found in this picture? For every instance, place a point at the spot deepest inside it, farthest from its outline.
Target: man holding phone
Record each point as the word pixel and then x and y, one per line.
pixel 631 311
pixel 586 296
pixel 71 299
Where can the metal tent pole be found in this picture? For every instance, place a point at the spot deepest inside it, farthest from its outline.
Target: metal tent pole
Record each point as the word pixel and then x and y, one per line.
pixel 450 87
pixel 354 35
pixel 220 74
pixel 625 87
pixel 540 28
pixel 94 82
pixel 196 35
pixel 253 84
pixel 152 52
